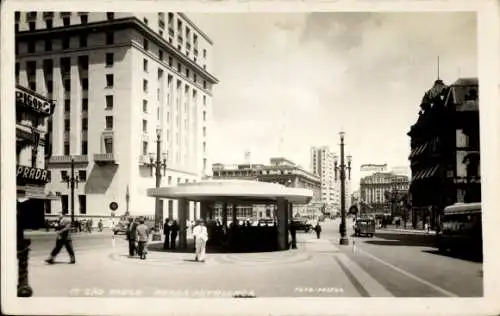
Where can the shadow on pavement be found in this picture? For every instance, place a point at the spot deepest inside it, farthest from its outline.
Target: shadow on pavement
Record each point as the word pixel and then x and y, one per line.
pixel 463 256
pixel 211 249
pixel 397 239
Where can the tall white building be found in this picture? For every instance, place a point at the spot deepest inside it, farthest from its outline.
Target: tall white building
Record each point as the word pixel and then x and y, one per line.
pixel 323 164
pixel 118 80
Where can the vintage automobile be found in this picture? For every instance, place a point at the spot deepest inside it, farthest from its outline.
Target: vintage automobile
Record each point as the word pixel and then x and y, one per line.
pixel 364 226
pixel 301 224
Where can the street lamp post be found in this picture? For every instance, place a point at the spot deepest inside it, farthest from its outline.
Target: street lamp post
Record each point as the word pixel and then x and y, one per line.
pixel 158 165
pixel 343 238
pixel 72 182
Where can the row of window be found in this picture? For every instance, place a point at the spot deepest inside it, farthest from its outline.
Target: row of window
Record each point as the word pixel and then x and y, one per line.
pixel 82 201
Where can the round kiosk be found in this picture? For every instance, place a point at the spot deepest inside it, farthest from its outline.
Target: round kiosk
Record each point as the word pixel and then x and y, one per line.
pixel 228 194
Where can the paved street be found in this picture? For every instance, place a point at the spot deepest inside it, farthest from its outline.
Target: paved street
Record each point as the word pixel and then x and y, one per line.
pixel 388 265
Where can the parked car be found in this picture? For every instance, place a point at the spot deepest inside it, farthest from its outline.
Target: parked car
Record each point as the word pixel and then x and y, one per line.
pixel 120 228
pixel 301 224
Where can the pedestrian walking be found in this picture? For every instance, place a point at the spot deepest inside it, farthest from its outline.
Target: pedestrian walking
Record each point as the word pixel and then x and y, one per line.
pixel 293 235
pixel 142 233
pixel 174 230
pixel 131 237
pixel 201 234
pixel 99 225
pixel 318 229
pixel 166 231
pixel 63 239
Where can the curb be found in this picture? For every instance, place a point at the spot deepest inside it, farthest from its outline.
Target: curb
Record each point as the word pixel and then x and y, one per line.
pixel 420 232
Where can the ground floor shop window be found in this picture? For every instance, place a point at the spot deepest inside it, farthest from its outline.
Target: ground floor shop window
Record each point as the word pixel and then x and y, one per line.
pixel 64 204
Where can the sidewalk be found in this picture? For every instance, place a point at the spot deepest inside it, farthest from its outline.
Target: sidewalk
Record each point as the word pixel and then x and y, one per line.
pixel 315 269
pixel 43 232
pixel 408 230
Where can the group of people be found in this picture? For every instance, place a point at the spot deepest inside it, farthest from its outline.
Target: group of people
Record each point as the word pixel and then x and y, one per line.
pixel 137 236
pixel 170 230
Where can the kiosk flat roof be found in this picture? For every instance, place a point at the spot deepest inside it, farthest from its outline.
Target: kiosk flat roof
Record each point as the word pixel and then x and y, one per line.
pixel 237 191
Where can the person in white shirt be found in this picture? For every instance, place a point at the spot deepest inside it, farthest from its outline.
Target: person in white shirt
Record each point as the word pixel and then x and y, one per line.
pixel 201 236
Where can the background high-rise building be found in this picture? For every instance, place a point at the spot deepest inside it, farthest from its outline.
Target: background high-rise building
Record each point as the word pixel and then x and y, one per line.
pixel 120 78
pixel 323 165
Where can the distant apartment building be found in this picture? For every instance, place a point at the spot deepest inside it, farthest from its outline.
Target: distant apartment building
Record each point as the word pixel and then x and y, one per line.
pixel 323 165
pixel 120 79
pixel 374 191
pixel 281 171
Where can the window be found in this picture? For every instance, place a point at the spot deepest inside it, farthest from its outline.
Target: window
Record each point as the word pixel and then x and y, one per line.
pixel 32 85
pixel 145 126
pixel 16 27
pixel 187 73
pixel 48 23
pixel 83 40
pixel 145 106
pixel 204 115
pixel 179 67
pixel 85 84
pixel 204 53
pixel 18 69
pixel 204 100
pixel 204 131
pixel 109 81
pixel 17 16
pixel 48 45
pixel 67 124
pixel 110 59
pixel 144 148
pixel 160 75
pixel 64 175
pixel 161 32
pixel 110 38
pixel 108 145
pixel 111 16
pixel 160 55
pixel 109 102
pixel 66 149
pixel 109 122
pixel 145 21
pixel 65 43
pixel 85 124
pixel 82 200
pixel 145 44
pixel 195 77
pixel 204 147
pixel 170 61
pixel 83 62
pixel 82 175
pixel 64 203
pixel 85 105
pixel 32 26
pixel 84 18
pixel 50 86
pixel 145 65
pixel 66 21
pixel 48 208
pixel 145 85
pixel 67 85
pixel 85 147
pixel 67 105
pixel 65 65
pixel 204 84
pixel 31 47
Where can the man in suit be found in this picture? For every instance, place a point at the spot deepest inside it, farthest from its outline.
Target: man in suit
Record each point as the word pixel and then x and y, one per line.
pixel 131 236
pixel 63 239
pixel 166 232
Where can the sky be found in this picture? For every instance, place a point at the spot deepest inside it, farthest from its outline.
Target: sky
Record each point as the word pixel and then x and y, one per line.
pixel 289 81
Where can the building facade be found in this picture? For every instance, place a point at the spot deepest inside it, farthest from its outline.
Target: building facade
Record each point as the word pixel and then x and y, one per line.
pixel 122 79
pixel 445 158
pixel 376 191
pixel 32 114
pixel 323 165
pixel 280 170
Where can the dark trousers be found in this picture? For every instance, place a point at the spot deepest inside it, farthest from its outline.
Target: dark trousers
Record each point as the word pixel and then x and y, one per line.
pixel 66 243
pixel 318 233
pixel 172 241
pixel 166 243
pixel 141 248
pixel 131 247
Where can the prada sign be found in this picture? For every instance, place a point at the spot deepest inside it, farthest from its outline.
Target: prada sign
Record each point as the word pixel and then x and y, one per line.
pixel 34 102
pixel 27 174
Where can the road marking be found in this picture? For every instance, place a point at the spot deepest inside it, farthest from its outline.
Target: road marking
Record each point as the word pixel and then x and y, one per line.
pixel 408 274
pixel 366 282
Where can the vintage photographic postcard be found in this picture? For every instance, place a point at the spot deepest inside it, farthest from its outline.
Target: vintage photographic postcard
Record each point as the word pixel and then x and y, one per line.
pixel 277 157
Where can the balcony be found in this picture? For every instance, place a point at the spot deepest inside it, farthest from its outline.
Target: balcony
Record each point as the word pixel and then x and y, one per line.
pixel 104 158
pixel 66 159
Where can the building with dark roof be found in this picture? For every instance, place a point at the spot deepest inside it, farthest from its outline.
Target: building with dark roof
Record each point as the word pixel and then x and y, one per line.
pixel 444 154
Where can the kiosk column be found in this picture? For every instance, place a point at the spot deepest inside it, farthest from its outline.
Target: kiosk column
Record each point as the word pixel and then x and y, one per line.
pixel 183 209
pixel 282 215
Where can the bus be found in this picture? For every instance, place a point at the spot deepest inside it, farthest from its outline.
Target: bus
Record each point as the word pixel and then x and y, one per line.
pixel 461 229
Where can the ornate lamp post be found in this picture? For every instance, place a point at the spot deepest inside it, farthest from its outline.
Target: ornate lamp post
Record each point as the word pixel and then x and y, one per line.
pixel 72 182
pixel 158 164
pixel 343 238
